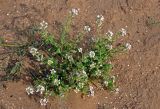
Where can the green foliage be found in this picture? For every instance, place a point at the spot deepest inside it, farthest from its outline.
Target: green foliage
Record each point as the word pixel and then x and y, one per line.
pixel 12 70
pixel 152 22
pixel 15 68
pixel 67 65
pixel 1 41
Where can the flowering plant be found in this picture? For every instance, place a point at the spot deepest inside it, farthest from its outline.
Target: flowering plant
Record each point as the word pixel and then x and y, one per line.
pixel 66 63
pixel 69 63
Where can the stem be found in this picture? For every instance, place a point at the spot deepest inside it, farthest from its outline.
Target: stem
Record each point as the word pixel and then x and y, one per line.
pixel 10 45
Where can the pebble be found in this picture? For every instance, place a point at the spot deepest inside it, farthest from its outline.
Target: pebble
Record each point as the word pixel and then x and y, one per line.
pixel 117 90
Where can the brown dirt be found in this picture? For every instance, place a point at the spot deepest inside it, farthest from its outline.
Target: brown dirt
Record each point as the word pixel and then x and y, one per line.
pixel 138 71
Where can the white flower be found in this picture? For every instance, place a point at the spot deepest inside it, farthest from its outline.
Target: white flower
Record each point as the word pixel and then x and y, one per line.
pixel 99 20
pixel 98 73
pixel 70 58
pixel 123 32
pixel 56 82
pixel 74 12
pixel 91 91
pixel 76 90
pixel 100 17
pixel 84 72
pixel 30 90
pixel 128 46
pixel 92 65
pixel 53 71
pixel 92 54
pixel 109 46
pixel 109 33
pixel 80 85
pixel 44 101
pixel 80 50
pixel 87 28
pixel 43 25
pixel 33 51
pixel 40 89
pixel 50 62
pixel 106 83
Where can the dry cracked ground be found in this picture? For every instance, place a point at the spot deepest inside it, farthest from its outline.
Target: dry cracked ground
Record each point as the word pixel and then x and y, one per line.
pixel 137 71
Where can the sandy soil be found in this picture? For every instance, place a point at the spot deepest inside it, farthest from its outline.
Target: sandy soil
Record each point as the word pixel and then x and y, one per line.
pixel 138 71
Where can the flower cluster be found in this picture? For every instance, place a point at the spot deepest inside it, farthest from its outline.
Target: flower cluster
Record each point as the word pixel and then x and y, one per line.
pixel 87 28
pixel 74 12
pixel 91 91
pixel 92 65
pixel 30 90
pixel 56 82
pixel 92 54
pixel 40 89
pixel 43 25
pixel 128 46
pixel 123 32
pixel 53 71
pixel 109 34
pixel 80 50
pixel 99 20
pixel 50 62
pixel 106 83
pixel 43 101
pixel 34 52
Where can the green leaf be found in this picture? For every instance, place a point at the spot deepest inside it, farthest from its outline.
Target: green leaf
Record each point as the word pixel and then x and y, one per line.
pixel 16 68
pixel 58 51
pixel 1 40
